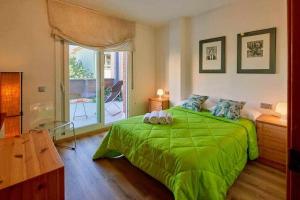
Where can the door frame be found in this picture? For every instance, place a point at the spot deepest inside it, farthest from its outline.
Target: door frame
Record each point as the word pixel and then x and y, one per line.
pixel 293 178
pixel 129 85
pixel 99 90
pixel 64 88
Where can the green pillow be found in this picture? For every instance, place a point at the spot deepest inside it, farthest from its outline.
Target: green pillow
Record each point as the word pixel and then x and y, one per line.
pixel 194 102
pixel 229 109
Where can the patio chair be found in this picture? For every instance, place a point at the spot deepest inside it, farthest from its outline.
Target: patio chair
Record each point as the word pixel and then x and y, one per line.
pixel 115 92
pixel 82 101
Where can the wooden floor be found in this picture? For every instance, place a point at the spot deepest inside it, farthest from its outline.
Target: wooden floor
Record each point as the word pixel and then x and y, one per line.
pixel 107 179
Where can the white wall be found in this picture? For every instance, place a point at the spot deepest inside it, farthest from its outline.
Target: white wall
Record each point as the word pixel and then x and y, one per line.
pixel 173 58
pixel 26 46
pixel 162 57
pixel 143 69
pixel 228 21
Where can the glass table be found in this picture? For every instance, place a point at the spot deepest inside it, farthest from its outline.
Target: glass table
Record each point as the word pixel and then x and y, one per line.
pixel 61 127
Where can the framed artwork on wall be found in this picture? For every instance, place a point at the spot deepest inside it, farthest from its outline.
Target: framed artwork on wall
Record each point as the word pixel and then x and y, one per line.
pixel 212 55
pixel 256 52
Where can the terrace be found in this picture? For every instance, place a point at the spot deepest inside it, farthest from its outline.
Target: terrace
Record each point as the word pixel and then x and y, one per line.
pixel 83 103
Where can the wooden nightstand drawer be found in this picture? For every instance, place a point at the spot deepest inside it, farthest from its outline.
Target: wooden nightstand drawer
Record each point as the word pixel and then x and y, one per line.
pixel 158 104
pixel 272 141
pixel 274 131
pixel 155 106
pixel 272 155
pixel 272 138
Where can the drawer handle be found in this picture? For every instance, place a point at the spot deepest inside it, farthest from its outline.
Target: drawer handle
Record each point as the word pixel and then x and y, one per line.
pixel 43 150
pixel 18 155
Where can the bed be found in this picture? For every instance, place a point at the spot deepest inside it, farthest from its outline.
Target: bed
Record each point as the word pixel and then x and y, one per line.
pixel 199 156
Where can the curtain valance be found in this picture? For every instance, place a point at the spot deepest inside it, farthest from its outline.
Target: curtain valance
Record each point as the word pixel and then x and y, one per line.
pixel 88 27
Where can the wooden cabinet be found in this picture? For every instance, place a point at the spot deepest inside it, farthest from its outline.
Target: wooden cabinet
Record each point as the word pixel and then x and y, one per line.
pixel 158 104
pixel 30 168
pixel 272 141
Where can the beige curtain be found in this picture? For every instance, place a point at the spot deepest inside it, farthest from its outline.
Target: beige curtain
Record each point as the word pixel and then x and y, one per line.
pixel 88 27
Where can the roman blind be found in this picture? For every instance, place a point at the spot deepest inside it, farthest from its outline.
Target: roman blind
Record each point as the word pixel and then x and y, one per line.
pixel 89 27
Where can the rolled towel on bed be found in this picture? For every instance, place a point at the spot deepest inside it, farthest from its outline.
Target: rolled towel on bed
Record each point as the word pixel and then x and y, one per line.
pixel 154 117
pixel 146 117
pixel 169 118
pixel 162 117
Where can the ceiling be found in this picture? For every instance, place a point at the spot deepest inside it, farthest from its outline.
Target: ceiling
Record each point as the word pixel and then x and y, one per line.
pixel 154 12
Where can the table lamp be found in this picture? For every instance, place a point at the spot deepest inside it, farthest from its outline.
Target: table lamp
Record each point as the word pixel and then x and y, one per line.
pixel 281 108
pixel 160 93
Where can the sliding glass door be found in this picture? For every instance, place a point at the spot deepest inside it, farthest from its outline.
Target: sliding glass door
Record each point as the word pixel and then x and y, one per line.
pixel 115 86
pixel 96 86
pixel 84 85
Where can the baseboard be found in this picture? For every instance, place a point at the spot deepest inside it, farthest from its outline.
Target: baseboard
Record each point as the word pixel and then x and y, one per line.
pixel 272 164
pixel 83 135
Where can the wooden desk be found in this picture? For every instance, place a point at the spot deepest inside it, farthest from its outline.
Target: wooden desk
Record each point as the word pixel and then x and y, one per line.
pixel 30 168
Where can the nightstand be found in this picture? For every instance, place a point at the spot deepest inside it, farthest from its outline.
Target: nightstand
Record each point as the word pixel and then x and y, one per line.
pixel 158 104
pixel 272 141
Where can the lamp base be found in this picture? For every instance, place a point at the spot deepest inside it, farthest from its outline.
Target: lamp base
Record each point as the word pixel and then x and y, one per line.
pixel 283 118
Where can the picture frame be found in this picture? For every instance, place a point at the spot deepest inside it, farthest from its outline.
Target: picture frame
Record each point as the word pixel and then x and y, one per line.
pixel 212 55
pixel 256 52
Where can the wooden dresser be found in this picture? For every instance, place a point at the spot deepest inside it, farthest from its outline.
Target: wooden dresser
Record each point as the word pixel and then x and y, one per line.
pixel 30 168
pixel 156 103
pixel 272 141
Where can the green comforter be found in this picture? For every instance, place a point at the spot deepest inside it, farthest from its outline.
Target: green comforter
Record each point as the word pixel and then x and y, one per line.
pixel 199 156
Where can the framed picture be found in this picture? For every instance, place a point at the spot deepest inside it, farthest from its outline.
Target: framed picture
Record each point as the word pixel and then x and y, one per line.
pixel 256 52
pixel 212 55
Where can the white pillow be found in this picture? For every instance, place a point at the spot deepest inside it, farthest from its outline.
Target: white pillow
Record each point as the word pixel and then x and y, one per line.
pixel 250 113
pixel 210 103
pixel 180 102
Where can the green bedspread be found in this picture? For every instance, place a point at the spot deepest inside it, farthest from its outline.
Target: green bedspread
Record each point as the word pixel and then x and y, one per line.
pixel 199 156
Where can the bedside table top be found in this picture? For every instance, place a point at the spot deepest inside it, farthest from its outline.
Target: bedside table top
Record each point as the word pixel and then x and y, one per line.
pixel 159 99
pixel 270 119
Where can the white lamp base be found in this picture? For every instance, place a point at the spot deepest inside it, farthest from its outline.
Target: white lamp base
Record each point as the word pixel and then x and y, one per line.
pixel 283 118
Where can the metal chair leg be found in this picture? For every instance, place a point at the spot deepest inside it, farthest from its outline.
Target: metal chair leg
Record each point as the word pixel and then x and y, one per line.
pixel 85 114
pixel 113 114
pixel 74 114
pixel 74 136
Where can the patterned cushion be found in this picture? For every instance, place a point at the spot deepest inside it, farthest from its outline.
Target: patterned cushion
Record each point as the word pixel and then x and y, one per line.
pixel 221 109
pixel 194 102
pixel 229 109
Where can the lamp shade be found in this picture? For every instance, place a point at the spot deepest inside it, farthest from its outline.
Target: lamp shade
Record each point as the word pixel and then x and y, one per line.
pixel 281 108
pixel 160 92
pixel 11 102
